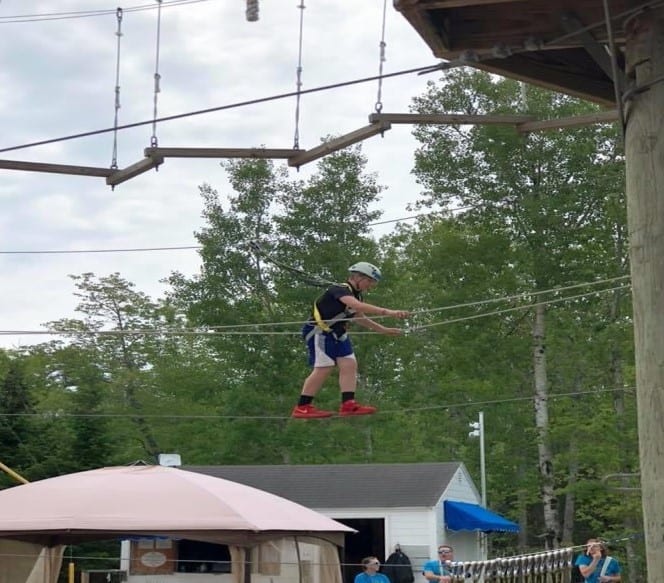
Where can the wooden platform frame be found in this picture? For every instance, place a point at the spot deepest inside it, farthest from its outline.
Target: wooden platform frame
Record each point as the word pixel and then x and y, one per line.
pixel 379 124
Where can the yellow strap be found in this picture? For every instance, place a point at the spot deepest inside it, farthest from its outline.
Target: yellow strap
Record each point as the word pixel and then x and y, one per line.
pixel 322 324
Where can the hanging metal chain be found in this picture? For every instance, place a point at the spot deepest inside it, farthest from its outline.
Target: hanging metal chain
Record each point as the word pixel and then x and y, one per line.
pixel 298 82
pixel 157 78
pixel 381 58
pixel 118 33
pixel 252 10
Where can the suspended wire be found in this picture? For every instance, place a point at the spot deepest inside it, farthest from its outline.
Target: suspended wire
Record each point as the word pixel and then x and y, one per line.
pixel 518 308
pixel 464 405
pixel 48 16
pixel 118 33
pixel 157 79
pixel 183 247
pixel 217 108
pixel 255 329
pixel 381 61
pixel 298 82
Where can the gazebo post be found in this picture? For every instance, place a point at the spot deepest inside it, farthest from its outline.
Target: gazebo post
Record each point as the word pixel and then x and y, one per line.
pixel 644 152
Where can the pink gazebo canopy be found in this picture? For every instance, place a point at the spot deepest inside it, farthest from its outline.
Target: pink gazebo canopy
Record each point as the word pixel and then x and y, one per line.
pixel 153 500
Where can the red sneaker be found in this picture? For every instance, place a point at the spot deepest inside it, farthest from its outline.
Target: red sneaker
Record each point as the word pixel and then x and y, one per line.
pixel 352 407
pixel 309 412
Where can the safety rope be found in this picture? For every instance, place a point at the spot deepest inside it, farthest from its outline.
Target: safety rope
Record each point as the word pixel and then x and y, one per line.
pixel 252 10
pixel 381 61
pixel 157 78
pixel 118 33
pixel 307 278
pixel 298 83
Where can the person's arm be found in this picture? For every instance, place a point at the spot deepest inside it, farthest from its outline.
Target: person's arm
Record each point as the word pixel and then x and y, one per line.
pixel 364 308
pixel 587 570
pixel 431 576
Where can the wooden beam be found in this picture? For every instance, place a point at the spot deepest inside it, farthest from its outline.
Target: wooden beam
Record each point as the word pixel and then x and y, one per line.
pixel 449 118
pixel 339 143
pixel 220 152
pixel 597 51
pixel 568 122
pixel 441 4
pixel 55 168
pixel 139 167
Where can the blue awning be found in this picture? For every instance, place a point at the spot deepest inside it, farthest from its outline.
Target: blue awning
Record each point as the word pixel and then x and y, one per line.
pixel 465 516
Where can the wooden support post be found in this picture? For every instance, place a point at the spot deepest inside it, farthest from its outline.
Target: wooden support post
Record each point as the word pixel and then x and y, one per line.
pixel 139 167
pixel 272 153
pixel 339 143
pixel 55 168
pixel 644 155
pixel 568 122
pixel 449 118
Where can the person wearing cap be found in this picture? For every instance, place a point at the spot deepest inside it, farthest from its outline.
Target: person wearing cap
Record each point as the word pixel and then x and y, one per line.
pixel 328 343
pixel 370 574
pixel 440 570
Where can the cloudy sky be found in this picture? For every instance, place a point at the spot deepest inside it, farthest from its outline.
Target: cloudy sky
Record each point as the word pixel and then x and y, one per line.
pixel 57 78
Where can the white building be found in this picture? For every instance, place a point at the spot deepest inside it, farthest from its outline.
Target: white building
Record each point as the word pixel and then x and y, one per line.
pixel 417 506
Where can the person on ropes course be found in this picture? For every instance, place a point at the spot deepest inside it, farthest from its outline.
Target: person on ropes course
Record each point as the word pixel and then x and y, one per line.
pixel 328 343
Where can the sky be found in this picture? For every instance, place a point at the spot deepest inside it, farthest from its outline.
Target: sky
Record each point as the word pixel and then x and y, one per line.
pixel 58 78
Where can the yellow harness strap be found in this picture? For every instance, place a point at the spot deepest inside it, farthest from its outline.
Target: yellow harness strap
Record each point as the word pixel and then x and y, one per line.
pixel 324 325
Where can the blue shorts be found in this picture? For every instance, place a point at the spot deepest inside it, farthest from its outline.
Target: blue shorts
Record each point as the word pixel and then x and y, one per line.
pixel 324 348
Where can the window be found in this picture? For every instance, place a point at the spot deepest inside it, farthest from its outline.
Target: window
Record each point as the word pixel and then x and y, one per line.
pixel 201 557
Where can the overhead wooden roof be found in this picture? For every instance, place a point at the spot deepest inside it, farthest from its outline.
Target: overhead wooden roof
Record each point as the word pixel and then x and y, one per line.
pixel 558 44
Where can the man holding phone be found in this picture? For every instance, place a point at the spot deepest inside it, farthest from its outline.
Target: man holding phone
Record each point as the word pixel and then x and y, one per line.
pixel 595 565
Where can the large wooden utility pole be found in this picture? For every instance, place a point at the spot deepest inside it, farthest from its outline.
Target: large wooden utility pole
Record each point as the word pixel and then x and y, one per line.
pixel 644 150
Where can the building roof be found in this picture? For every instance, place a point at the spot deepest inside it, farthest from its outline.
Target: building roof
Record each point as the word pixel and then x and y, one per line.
pixel 558 44
pixel 345 485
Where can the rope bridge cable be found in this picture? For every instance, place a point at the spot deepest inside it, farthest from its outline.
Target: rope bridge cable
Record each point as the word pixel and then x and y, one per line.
pixel 242 329
pixel 298 79
pixel 157 80
pixel 118 33
pixel 463 405
pixel 229 106
pixel 523 295
pixel 381 62
pixel 515 308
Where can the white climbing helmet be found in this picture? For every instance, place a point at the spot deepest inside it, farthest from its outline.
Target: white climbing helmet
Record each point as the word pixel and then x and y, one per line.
pixel 367 269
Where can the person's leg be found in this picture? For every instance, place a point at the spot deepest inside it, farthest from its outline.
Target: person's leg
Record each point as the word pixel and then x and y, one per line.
pixel 347 385
pixel 347 373
pixel 323 364
pixel 315 380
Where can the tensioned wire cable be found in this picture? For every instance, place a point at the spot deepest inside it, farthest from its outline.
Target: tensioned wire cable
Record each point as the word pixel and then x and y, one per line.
pixel 202 417
pixel 243 329
pixel 426 69
pixel 607 541
pixel 185 247
pixel 49 16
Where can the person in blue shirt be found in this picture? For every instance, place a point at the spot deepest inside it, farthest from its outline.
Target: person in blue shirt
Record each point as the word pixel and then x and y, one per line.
pixel 438 570
pixel 595 565
pixel 370 574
